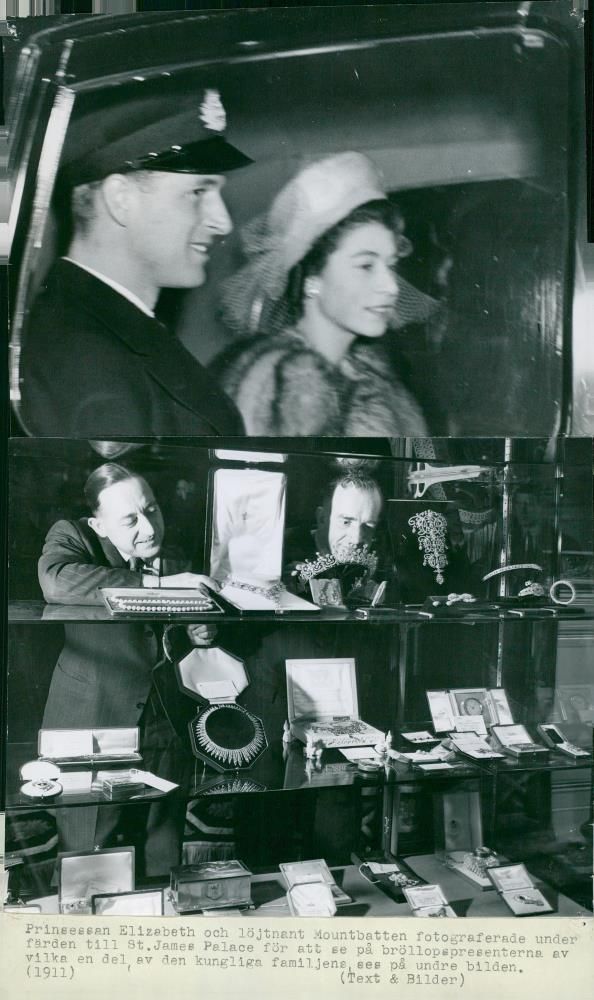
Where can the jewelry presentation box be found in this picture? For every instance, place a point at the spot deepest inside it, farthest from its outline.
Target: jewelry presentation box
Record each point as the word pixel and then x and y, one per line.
pixel 517 742
pixel 210 885
pixel 518 892
pixel 322 704
pixel 65 747
pixel 223 734
pixel 160 602
pixel 311 872
pixel 84 874
pixel 469 709
pixel 575 703
pixel 428 901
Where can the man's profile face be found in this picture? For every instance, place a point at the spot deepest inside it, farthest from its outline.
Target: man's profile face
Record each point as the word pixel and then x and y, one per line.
pixel 353 517
pixel 130 517
pixel 173 221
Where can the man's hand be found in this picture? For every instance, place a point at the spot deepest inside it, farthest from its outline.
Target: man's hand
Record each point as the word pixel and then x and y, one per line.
pixel 201 635
pixel 189 580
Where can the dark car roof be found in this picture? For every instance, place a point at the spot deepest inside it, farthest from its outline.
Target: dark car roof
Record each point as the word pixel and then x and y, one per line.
pixel 86 48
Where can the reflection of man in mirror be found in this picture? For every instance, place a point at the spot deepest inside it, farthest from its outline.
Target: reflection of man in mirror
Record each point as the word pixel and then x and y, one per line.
pixel 531 527
pixel 143 188
pixel 341 546
pixel 105 676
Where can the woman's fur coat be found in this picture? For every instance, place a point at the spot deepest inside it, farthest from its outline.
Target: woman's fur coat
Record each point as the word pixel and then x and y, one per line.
pixel 282 387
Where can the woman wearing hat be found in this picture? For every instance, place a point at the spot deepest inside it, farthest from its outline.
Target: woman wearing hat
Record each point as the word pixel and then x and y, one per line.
pixel 317 295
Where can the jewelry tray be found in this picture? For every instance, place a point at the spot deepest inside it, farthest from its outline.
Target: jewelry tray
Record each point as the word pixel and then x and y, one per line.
pixel 160 603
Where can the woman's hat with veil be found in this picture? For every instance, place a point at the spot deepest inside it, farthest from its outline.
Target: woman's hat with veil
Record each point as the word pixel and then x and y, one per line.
pixel 317 198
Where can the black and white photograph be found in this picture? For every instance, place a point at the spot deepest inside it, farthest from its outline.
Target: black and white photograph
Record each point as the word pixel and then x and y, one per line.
pixel 191 723
pixel 299 589
pixel 356 221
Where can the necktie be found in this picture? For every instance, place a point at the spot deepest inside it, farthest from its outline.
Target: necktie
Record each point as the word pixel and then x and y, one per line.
pixel 138 565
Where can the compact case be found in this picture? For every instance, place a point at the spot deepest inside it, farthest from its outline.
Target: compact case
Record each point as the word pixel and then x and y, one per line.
pixel 89 746
pixel 322 703
pixel 210 885
pixel 223 734
pixel 41 779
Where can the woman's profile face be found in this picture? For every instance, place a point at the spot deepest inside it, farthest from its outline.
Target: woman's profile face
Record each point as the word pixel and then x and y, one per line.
pixel 358 288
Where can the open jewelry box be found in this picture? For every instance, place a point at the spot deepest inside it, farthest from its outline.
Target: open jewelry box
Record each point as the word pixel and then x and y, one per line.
pixel 517 742
pixel 428 901
pixel 159 603
pixel 518 892
pixel 89 746
pixel 84 874
pixel 323 705
pixel 223 734
pixel 469 709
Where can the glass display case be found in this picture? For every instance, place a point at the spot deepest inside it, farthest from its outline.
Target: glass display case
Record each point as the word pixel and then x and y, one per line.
pixel 304 731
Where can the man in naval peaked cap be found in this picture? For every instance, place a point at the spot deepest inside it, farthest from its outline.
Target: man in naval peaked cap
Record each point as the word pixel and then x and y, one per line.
pixel 144 181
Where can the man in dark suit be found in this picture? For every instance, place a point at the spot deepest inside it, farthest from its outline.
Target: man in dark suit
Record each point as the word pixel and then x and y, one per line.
pixel 143 183
pixel 104 674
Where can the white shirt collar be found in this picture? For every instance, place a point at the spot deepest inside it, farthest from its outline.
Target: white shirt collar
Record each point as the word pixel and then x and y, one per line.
pixel 134 299
pixel 154 563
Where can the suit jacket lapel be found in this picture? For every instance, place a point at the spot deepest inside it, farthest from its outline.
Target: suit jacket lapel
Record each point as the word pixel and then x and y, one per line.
pixel 111 554
pixel 163 356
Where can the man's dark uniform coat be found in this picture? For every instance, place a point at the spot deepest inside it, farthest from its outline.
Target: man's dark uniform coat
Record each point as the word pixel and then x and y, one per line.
pixel 94 365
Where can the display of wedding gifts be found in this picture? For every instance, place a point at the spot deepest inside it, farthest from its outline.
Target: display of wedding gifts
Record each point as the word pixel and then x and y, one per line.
pixel 223 734
pixel 575 702
pixel 160 603
pixel 474 746
pixel 469 709
pixel 517 742
pixel 517 890
pixel 82 875
pixel 323 705
pixel 428 901
pixel 300 873
pixel 89 746
pixel 210 885
pixel 458 835
pixel 246 553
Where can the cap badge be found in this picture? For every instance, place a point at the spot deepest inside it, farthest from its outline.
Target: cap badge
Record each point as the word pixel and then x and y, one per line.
pixel 212 112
